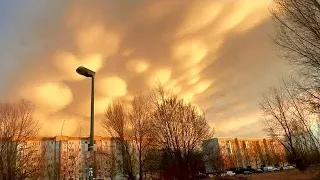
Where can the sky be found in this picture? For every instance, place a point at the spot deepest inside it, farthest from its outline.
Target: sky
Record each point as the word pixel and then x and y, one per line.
pixel 217 54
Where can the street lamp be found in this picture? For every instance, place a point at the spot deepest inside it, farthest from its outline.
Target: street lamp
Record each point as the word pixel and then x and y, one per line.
pixel 89 73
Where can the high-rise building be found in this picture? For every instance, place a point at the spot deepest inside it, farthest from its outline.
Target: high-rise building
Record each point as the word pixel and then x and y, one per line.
pixel 66 157
pixel 226 153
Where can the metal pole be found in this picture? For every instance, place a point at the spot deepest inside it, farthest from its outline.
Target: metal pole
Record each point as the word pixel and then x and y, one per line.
pixel 91 145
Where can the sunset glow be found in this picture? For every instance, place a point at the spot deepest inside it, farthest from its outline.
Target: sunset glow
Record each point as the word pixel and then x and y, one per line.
pixel 207 52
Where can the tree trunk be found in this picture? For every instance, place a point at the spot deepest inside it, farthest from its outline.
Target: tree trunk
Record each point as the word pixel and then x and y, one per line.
pixel 140 161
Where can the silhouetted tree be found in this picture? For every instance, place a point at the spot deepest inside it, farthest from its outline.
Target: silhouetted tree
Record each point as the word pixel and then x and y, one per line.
pixel 115 122
pixel 18 158
pixel 152 162
pixel 298 36
pixel 107 160
pixel 212 156
pixel 179 129
pixel 139 121
pixel 287 120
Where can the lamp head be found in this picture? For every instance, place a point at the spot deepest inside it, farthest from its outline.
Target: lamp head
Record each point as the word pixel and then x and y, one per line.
pixel 85 71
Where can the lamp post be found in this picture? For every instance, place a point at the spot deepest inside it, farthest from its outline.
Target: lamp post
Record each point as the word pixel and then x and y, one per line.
pixel 89 73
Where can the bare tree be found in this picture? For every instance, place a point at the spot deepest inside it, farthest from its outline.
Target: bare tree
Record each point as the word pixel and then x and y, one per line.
pixel 115 123
pixel 74 157
pixel 179 129
pixel 287 120
pixel 298 36
pixel 213 156
pixel 276 153
pixel 50 166
pixel 152 162
pixel 68 165
pixel 108 160
pixel 17 125
pixel 139 120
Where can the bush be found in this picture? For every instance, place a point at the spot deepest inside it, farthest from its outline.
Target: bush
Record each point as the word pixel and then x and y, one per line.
pixel 302 164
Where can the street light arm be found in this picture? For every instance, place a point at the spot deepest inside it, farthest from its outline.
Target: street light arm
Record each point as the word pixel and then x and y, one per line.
pixel 85 71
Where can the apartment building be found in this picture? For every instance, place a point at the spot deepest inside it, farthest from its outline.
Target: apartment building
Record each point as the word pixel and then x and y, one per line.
pixel 225 153
pixel 66 157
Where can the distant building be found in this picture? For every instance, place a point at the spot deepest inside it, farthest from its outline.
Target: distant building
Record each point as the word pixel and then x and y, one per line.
pixel 66 157
pixel 226 153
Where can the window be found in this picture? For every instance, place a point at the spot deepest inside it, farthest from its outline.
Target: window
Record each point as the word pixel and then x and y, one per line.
pixel 71 157
pixel 246 144
pixel 229 147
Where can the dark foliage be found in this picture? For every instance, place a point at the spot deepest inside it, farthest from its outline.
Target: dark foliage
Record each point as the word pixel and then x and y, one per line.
pixel 183 168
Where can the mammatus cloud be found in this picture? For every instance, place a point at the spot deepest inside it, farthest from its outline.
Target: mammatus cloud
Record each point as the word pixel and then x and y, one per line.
pixel 212 53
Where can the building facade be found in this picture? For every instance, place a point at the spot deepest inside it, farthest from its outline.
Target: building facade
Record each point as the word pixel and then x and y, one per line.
pixel 226 153
pixel 66 157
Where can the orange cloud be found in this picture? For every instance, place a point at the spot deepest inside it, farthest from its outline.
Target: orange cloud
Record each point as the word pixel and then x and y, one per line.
pixel 112 87
pixel 49 97
pixel 161 76
pixel 137 65
pixel 200 50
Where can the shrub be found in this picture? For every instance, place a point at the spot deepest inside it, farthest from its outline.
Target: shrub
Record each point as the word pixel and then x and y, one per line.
pixel 302 164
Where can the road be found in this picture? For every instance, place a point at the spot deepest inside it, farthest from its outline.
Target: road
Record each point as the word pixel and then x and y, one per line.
pixel 285 175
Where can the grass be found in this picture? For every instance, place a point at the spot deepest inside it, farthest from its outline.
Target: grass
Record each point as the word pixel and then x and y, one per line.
pixel 286 175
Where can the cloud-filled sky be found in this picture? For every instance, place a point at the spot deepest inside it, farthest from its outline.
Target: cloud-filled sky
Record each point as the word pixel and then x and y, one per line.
pixel 217 54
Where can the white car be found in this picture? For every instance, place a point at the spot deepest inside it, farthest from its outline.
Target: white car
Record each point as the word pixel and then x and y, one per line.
pixel 229 173
pixel 276 169
pixel 288 167
pixel 268 169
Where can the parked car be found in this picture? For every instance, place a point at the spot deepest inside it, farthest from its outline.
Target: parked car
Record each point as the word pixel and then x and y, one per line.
pixel 228 173
pixel 240 171
pixel 268 169
pixel 276 169
pixel 199 176
pixel 210 175
pixel 288 167
pixel 256 170
pixel 247 172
